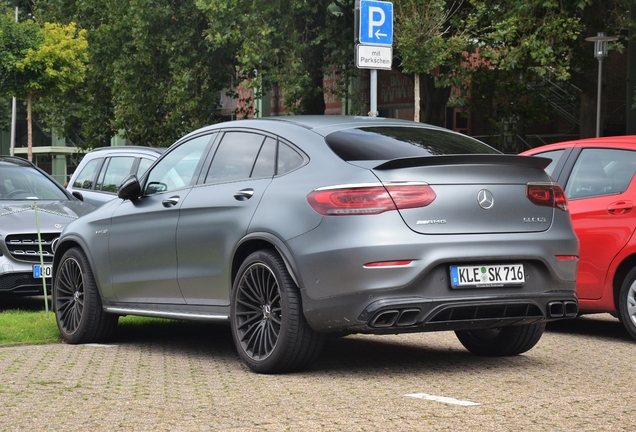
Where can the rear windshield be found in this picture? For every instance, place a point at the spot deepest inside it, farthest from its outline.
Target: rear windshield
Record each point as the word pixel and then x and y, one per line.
pixel 393 142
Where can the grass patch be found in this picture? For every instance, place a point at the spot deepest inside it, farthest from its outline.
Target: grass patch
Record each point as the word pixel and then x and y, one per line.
pixel 19 327
pixel 23 327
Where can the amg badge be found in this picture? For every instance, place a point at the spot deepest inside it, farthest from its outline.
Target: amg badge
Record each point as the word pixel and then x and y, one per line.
pixel 432 222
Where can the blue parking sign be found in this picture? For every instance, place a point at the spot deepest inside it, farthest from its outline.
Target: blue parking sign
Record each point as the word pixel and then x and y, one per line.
pixel 376 22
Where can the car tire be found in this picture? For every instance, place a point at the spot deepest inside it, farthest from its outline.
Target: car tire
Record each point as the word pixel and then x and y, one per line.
pixel 77 303
pixel 268 326
pixel 501 342
pixel 627 303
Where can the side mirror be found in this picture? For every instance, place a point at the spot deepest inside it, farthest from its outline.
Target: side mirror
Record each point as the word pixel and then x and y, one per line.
pixel 129 189
pixel 78 195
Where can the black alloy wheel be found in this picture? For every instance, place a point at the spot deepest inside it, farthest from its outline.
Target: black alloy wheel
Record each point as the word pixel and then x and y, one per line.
pixel 269 329
pixel 77 303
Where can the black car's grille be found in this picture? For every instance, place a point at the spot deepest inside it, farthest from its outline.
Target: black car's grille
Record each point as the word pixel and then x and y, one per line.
pixel 24 247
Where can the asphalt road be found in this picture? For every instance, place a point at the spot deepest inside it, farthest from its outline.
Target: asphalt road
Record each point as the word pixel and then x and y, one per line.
pixel 187 377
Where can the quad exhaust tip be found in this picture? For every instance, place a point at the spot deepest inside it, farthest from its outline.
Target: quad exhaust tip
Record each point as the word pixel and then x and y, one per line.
pixel 562 309
pixel 409 316
pixel 396 318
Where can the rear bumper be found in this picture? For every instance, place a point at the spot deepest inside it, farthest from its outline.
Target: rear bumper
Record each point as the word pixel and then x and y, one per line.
pixel 342 293
pixel 418 314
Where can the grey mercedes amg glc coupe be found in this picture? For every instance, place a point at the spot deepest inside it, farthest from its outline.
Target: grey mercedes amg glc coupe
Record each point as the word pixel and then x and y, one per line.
pixel 294 228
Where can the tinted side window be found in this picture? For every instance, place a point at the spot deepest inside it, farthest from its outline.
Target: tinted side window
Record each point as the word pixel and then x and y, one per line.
pixel 555 155
pixel 234 157
pixel 86 177
pixel 176 170
pixel 600 172
pixel 144 164
pixel 265 165
pixel 116 169
pixel 288 159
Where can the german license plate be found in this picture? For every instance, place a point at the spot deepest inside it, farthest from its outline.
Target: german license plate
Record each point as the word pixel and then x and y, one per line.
pixel 40 272
pixel 484 276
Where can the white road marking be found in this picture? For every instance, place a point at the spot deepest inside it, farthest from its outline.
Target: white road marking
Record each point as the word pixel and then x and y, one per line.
pixel 442 399
pixel 100 345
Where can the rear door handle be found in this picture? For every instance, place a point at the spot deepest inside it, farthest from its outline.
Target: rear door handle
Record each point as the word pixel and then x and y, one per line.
pixel 620 207
pixel 244 194
pixel 170 202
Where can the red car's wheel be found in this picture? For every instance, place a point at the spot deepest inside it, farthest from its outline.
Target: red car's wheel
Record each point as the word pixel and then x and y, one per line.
pixel 627 303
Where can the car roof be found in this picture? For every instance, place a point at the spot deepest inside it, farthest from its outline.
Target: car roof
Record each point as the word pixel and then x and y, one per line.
pixel 16 160
pixel 128 149
pixel 320 124
pixel 611 141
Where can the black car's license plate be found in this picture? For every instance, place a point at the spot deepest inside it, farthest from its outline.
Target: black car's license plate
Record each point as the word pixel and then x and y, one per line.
pixel 483 276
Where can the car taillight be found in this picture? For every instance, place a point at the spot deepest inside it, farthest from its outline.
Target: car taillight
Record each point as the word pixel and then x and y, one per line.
pixel 547 194
pixel 352 200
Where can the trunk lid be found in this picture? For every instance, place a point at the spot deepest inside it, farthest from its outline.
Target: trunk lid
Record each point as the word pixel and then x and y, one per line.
pixel 475 194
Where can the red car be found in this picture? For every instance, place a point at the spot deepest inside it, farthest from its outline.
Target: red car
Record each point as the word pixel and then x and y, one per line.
pixel 597 176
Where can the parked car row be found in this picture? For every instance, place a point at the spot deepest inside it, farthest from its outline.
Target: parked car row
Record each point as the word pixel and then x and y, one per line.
pixel 294 228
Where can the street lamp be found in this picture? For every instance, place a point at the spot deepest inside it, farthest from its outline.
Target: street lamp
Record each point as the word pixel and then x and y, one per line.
pixel 600 52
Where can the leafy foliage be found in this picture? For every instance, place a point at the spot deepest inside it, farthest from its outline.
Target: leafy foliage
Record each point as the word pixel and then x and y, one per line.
pixel 153 75
pixel 16 41
pixel 290 43
pixel 47 60
pixel 57 64
pixel 510 55
pixel 156 67
pixel 425 38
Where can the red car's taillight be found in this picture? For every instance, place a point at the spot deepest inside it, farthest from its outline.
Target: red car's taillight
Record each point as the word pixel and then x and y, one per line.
pixel 547 194
pixel 340 201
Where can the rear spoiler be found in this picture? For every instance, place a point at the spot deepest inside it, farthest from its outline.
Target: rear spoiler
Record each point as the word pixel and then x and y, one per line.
pixel 470 159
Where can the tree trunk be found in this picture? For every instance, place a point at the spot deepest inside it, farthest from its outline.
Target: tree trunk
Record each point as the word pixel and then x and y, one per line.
pixel 315 104
pixel 433 101
pixel 416 92
pixel 29 129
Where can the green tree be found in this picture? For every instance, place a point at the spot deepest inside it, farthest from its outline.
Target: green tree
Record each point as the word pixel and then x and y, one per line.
pixel 289 43
pixel 152 75
pixel 525 48
pixel 426 42
pixel 57 65
pixel 509 51
pixel 39 61
pixel 16 39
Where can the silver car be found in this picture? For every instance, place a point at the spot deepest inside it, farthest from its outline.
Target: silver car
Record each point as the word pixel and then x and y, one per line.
pixel 293 228
pixel 101 171
pixel 25 261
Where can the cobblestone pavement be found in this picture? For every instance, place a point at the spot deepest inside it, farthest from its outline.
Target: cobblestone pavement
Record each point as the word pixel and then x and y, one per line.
pixel 579 377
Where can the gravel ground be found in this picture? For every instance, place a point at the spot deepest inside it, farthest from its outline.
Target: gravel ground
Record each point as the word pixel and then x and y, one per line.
pixel 579 377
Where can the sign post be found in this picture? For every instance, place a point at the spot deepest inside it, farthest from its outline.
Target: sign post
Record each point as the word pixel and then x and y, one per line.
pixel 374 40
